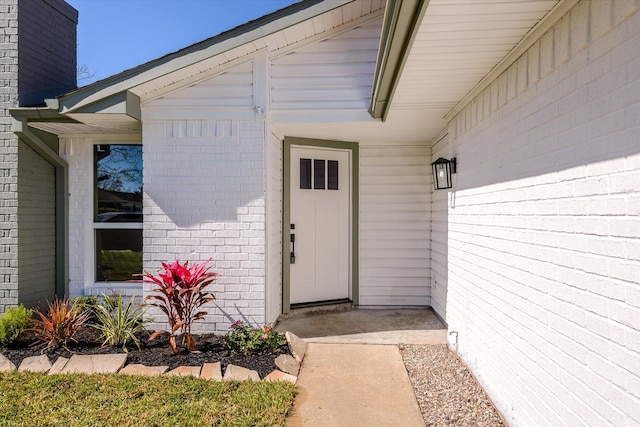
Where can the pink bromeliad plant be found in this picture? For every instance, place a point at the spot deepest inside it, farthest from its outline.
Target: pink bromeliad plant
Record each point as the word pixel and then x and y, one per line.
pixel 179 292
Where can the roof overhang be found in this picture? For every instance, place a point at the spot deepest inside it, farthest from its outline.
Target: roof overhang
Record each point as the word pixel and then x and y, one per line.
pixel 436 55
pixel 97 94
pixel 50 120
pixel 112 105
pixel 401 23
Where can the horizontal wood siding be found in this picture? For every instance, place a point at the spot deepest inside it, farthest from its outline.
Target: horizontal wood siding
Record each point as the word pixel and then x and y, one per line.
pixel 332 74
pixel 36 228
pixel 394 225
pixel 231 89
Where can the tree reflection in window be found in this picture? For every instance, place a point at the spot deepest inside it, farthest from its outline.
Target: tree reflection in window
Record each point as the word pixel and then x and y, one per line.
pixel 118 181
pixel 118 199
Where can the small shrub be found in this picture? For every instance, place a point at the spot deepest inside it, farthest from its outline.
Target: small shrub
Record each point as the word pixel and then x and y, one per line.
pixel 86 303
pixel 119 323
pixel 13 322
pixel 244 339
pixel 60 324
pixel 179 293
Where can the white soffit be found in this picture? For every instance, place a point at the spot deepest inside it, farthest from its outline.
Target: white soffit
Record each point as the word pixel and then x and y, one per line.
pixel 458 43
pixel 65 129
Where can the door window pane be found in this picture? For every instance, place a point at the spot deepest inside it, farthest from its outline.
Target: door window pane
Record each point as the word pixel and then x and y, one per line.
pixel 332 175
pixel 305 174
pixel 318 174
pixel 118 254
pixel 118 181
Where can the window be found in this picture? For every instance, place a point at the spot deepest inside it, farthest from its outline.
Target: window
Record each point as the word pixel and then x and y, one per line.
pixel 117 212
pixel 324 173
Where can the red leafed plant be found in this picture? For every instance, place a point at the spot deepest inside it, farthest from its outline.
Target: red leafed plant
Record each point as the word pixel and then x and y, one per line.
pixel 179 292
pixel 59 324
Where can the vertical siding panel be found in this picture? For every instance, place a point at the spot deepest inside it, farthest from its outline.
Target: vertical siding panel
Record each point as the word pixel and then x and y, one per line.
pixel 533 62
pixel 563 40
pixel 580 36
pixel 601 17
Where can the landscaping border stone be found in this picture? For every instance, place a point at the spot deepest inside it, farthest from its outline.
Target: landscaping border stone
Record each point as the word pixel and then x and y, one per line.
pixel 288 366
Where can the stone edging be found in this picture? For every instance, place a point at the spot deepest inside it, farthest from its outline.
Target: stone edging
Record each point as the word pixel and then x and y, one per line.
pixel 288 366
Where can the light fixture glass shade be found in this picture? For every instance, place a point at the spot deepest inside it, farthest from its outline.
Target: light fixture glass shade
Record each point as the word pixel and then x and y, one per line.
pixel 442 173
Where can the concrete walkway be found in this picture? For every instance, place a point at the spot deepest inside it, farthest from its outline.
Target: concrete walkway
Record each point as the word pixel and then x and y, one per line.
pixel 368 326
pixel 354 385
pixel 353 374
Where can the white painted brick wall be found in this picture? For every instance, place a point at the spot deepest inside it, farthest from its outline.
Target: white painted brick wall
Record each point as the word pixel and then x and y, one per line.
pixel 544 260
pixel 439 235
pixel 78 153
pixel 204 197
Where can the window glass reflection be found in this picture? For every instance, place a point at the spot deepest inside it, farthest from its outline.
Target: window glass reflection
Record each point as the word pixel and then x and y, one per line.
pixel 118 181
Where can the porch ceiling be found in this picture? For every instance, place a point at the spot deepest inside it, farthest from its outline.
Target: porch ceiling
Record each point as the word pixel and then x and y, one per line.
pixel 457 44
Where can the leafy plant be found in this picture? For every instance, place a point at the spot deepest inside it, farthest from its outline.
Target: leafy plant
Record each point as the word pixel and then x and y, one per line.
pixel 242 338
pixel 59 324
pixel 86 303
pixel 13 322
pixel 179 292
pixel 119 323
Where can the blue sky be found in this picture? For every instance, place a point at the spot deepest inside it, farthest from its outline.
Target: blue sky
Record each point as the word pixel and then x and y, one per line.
pixel 115 35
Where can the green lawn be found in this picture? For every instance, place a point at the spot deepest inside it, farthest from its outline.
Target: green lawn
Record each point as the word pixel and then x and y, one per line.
pixel 120 400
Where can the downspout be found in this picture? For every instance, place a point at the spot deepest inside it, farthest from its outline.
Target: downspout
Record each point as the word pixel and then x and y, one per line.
pixel 21 128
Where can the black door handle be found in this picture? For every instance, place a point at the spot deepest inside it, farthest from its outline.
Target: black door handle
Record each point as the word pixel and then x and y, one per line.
pixel 292 256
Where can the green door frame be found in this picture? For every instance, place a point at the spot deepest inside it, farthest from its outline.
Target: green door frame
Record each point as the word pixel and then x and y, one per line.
pixel 286 211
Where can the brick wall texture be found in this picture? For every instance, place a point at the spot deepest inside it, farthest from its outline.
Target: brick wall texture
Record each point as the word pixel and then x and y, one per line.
pixel 47 50
pixel 37 60
pixel 8 155
pixel 204 197
pixel 544 228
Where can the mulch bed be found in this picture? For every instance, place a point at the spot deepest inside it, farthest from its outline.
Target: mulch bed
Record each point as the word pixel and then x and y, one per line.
pixel 151 353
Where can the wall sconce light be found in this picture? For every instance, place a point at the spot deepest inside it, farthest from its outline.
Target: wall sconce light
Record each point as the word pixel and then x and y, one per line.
pixel 442 170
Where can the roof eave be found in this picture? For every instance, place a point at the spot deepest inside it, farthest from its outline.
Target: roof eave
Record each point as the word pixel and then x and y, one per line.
pixel 401 23
pixel 269 24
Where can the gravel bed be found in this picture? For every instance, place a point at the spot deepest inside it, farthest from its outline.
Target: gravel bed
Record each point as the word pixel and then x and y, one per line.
pixel 446 391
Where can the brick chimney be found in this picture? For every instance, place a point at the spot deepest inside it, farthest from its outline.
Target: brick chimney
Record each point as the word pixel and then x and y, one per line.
pixel 37 61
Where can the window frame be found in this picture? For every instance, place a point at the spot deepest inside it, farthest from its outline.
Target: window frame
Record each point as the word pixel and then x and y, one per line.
pixel 96 225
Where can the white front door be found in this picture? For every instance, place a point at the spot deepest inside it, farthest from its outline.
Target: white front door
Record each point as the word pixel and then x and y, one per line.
pixel 320 212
